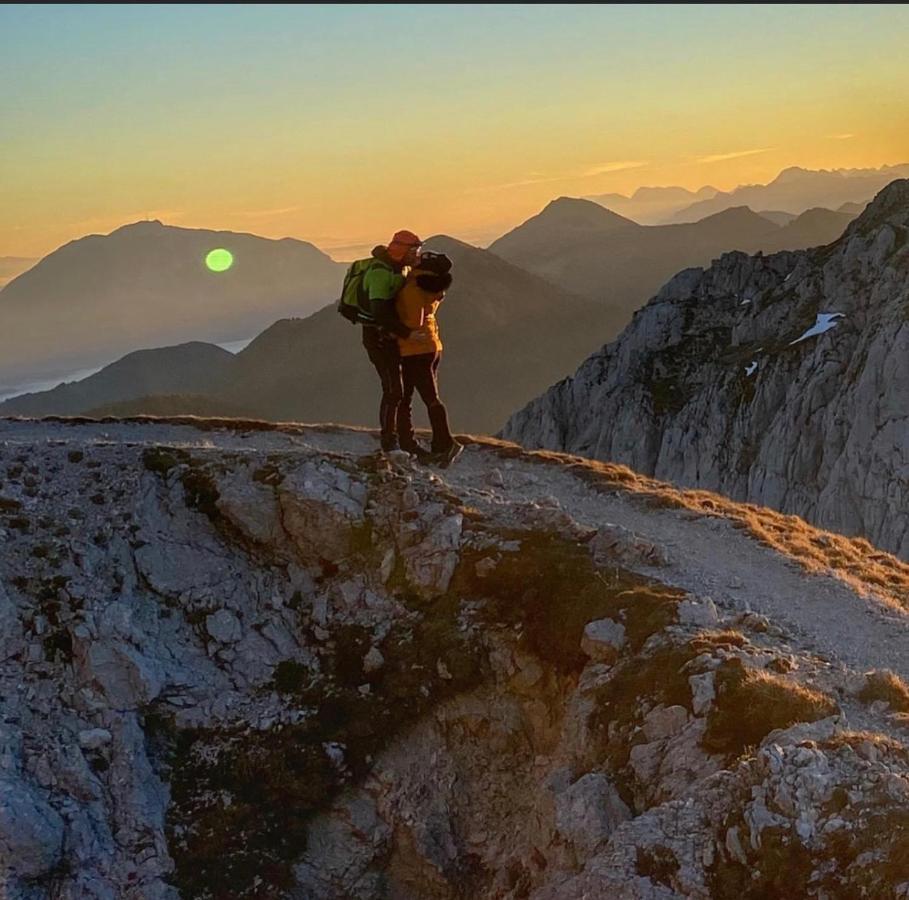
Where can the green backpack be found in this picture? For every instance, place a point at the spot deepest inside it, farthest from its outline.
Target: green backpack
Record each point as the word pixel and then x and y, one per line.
pixel 354 301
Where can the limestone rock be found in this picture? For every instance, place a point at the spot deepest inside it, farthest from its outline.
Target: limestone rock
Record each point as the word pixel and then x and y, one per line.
pixel 430 561
pixel 224 626
pixel 603 640
pixel 664 722
pixel 703 692
pixel 749 400
pixel 588 811
pixel 31 832
pixel 93 738
pixel 128 678
pixel 10 628
pixel 373 661
pixel 702 614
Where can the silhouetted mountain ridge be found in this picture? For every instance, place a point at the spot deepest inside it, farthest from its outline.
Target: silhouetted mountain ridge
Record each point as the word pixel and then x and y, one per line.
pixel 611 259
pixel 147 283
pixel 507 333
pixel 195 367
pixel 797 189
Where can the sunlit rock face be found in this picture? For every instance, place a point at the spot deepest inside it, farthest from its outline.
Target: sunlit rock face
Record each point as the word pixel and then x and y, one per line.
pixel 256 661
pixel 780 380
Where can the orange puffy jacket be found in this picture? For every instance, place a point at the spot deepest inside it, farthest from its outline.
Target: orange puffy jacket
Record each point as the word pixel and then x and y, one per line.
pixel 416 308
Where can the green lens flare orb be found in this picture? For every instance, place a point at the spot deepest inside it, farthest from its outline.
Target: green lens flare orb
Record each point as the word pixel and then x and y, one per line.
pixel 219 260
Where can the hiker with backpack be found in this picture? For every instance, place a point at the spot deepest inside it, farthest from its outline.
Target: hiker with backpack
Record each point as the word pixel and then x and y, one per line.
pixel 416 305
pixel 368 299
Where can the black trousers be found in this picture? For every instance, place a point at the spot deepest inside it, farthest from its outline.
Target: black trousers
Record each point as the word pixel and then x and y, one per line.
pixel 419 372
pixel 382 349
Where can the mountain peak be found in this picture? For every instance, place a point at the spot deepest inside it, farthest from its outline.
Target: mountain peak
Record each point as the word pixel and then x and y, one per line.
pixel 573 211
pixel 146 284
pixel 735 217
pixel 445 243
pixel 142 225
pixel 793 173
pixel 890 206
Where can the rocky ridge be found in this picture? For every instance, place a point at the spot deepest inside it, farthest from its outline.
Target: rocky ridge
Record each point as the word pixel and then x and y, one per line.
pixel 248 660
pixel 779 380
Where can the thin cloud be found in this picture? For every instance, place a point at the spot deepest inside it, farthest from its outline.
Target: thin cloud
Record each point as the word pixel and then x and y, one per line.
pixel 538 178
pixel 264 213
pixel 719 157
pixel 614 167
pixel 343 252
pixel 514 184
pixel 335 246
pixel 840 137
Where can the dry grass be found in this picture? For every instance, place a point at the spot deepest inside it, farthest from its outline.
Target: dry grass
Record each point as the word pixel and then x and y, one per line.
pixel 750 703
pixel 853 560
pixel 729 637
pixel 887 686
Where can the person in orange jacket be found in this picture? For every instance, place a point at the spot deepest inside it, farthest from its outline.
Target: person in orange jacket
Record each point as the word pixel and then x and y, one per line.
pixel 382 279
pixel 416 304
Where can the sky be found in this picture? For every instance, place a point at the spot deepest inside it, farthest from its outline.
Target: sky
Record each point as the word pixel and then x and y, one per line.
pixel 339 124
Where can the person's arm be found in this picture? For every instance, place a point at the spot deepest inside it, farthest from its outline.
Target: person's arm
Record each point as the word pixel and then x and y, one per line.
pixel 381 286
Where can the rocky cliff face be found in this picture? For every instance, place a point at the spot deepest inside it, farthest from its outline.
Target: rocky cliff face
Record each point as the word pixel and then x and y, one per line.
pixel 780 380
pixel 261 661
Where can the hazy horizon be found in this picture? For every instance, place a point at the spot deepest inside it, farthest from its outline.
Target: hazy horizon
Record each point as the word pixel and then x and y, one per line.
pixel 118 113
pixel 347 252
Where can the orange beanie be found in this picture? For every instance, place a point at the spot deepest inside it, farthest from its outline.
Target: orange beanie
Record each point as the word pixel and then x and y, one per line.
pixel 401 243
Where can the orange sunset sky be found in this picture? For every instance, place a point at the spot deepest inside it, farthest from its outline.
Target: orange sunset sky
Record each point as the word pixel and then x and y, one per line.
pixel 340 124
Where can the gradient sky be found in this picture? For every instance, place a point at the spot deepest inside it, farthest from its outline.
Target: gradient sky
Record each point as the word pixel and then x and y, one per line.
pixel 340 124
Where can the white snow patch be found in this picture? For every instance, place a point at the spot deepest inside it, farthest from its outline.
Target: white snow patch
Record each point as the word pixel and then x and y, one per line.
pixel 749 370
pixel 825 321
pixel 746 300
pixel 789 276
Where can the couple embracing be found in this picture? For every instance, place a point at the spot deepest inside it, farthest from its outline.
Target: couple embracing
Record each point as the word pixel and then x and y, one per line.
pixel 394 295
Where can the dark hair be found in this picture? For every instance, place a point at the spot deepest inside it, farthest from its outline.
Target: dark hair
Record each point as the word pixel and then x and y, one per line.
pixel 437 263
pixel 434 284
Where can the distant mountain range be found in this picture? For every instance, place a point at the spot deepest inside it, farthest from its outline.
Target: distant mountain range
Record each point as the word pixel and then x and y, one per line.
pixel 794 191
pixel 147 284
pixel 778 217
pixel 653 205
pixel 519 317
pixel 596 253
pixel 507 334
pixel 195 367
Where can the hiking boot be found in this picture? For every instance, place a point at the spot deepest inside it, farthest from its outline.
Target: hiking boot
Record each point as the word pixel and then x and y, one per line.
pixel 418 452
pixel 444 459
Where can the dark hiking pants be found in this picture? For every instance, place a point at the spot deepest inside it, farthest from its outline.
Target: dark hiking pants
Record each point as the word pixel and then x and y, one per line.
pixel 382 349
pixel 419 372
